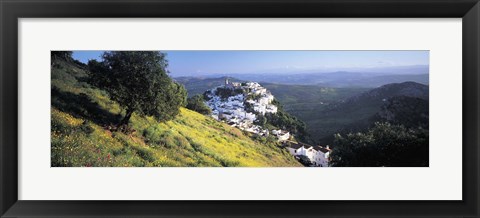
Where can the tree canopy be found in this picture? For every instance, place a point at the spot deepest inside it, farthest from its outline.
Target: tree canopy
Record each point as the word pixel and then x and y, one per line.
pixel 196 103
pixel 64 55
pixel 139 82
pixel 284 120
pixel 383 145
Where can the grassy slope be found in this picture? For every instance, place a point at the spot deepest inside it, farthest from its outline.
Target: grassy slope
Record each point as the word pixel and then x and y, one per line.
pixel 80 137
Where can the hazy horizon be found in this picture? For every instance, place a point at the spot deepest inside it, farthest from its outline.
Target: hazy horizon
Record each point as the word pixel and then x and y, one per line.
pixel 224 63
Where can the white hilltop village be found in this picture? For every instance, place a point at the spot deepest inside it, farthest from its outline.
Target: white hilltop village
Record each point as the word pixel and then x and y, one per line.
pixel 241 109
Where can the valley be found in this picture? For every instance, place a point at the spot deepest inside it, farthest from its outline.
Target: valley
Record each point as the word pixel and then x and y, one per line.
pixel 126 110
pixel 326 110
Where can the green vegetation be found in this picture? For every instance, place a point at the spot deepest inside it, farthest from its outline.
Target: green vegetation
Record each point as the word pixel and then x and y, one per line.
pixel 304 103
pixel 280 120
pixel 286 121
pixel 198 85
pixel 407 111
pixel 310 104
pixel 383 145
pixel 307 97
pixel 82 135
pixel 389 103
pixel 283 120
pixel 138 82
pixel 327 111
pixel 224 93
pixel 197 103
pixel 61 55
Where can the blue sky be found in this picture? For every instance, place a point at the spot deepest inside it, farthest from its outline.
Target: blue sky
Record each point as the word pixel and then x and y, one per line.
pixel 191 63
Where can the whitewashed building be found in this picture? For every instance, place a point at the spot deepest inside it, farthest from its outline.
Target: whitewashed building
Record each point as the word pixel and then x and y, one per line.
pixel 232 110
pixel 281 134
pixel 319 156
pixel 271 109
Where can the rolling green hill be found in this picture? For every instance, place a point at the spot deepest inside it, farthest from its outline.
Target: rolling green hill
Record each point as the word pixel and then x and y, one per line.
pixel 329 110
pixel 81 134
pixel 307 102
pixel 359 112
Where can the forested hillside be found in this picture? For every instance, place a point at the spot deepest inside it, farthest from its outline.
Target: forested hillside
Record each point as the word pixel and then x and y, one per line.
pixel 361 111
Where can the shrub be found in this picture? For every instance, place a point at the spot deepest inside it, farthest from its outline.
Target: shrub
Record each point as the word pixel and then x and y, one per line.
pixel 152 134
pixel 383 145
pixel 196 103
pixel 86 127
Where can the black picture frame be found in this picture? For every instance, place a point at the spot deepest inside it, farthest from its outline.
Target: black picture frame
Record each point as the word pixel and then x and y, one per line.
pixel 11 11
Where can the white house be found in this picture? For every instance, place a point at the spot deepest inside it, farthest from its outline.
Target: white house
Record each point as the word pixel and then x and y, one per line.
pixel 321 156
pixel 271 109
pixel 250 116
pixel 318 155
pixel 270 97
pixel 298 149
pixel 260 108
pixel 264 100
pixel 293 149
pixel 281 134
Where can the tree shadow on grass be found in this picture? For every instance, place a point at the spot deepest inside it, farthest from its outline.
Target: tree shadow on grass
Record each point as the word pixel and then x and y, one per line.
pixel 82 106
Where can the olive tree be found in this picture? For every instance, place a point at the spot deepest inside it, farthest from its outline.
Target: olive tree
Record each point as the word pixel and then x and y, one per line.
pixel 139 82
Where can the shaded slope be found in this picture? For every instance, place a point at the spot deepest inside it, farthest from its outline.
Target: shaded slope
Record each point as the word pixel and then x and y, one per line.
pixel 356 113
pixel 410 112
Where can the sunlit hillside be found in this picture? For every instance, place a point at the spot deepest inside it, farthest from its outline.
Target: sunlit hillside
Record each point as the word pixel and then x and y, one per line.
pixel 81 134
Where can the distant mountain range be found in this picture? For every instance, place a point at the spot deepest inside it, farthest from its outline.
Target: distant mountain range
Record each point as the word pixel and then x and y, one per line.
pixel 370 78
pixel 336 79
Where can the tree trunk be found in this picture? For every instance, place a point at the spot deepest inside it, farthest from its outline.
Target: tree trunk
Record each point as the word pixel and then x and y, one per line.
pixel 125 119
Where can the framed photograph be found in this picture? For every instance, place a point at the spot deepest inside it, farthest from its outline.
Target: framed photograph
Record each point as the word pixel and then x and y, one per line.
pixel 276 108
